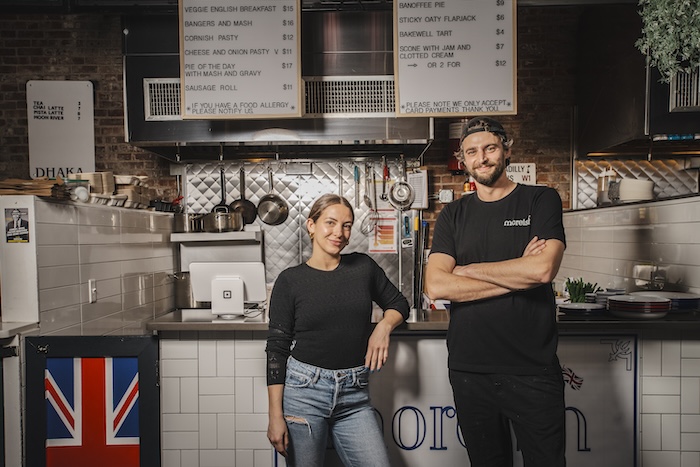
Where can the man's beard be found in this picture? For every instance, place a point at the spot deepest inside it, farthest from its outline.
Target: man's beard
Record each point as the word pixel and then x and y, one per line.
pixel 490 179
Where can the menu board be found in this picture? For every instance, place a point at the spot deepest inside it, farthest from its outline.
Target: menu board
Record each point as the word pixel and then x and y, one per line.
pixel 455 57
pixel 240 59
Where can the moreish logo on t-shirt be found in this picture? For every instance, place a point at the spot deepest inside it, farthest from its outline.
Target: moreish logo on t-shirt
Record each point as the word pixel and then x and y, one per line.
pixel 517 222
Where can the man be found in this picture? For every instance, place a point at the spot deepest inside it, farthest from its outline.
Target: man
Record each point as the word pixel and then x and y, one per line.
pixel 494 255
pixel 17 229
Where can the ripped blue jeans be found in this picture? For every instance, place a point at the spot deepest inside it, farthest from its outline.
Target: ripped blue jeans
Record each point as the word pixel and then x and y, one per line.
pixel 322 404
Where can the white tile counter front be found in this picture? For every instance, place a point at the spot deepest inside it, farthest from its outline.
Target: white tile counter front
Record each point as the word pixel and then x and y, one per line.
pixel 214 400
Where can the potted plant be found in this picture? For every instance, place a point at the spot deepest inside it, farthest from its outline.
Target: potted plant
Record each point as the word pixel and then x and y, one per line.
pixel 670 35
pixel 578 289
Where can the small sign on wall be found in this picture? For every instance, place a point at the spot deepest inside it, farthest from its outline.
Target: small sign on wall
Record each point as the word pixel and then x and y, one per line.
pixel 61 128
pixel 522 173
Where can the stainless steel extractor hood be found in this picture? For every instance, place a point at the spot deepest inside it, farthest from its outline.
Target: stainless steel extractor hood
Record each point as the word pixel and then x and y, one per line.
pixel 347 71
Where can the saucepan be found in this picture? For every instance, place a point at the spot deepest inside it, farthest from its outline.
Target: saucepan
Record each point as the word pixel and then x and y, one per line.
pixel 221 218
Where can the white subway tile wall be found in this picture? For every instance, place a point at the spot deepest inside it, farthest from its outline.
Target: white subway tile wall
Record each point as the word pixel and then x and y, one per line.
pixel 636 247
pixel 126 253
pixel 214 400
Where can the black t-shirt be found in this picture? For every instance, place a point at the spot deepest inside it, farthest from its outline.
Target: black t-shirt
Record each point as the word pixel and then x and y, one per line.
pixel 514 333
pixel 326 315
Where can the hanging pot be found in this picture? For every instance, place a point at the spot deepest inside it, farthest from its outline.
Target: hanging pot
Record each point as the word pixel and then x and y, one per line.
pixel 272 208
pixel 244 206
pixel 401 194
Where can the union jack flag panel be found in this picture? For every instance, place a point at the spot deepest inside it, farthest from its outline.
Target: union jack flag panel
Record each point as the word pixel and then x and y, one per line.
pixel 92 412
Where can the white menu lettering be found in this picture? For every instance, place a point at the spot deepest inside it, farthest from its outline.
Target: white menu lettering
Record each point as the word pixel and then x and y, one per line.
pixel 240 59
pixel 455 57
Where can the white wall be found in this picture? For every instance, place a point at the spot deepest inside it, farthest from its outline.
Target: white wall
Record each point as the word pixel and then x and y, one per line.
pixel 604 246
pixel 126 252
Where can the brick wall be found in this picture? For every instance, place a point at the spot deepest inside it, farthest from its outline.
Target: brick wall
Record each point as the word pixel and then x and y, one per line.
pixel 78 48
pixel 88 47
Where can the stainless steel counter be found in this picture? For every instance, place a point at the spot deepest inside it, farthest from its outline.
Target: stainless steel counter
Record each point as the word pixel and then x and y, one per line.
pixel 436 321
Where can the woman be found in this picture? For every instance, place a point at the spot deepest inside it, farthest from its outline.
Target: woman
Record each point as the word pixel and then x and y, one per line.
pixel 321 347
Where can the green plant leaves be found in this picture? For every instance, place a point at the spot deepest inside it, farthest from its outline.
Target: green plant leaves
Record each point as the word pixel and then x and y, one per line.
pixel 670 35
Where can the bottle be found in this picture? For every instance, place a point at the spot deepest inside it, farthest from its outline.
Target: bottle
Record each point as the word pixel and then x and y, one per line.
pixel 469 185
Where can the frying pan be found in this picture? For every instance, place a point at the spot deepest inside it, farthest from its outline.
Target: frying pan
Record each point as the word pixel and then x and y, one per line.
pixel 223 205
pixel 401 194
pixel 272 209
pixel 246 207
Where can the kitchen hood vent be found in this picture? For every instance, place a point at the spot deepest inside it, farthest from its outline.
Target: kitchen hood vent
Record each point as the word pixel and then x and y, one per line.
pixel 348 104
pixel 685 92
pixel 162 99
pixel 325 96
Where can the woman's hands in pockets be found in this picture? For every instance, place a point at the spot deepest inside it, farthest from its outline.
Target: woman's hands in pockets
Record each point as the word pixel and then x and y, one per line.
pixel 378 345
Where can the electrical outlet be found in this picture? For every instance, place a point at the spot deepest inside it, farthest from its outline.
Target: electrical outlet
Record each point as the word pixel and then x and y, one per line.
pixel 446 196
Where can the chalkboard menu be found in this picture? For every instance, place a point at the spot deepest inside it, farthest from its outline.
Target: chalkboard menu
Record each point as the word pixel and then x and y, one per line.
pixel 240 59
pixel 455 57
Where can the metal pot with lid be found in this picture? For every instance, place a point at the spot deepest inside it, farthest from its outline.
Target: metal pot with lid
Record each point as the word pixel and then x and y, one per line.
pixel 221 219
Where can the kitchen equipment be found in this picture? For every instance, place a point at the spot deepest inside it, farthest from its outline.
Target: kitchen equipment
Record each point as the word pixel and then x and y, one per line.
pixel 401 193
pixel 636 190
pixel 370 220
pixel 184 298
pixel 246 207
pixel 272 209
pixel 582 308
pixel 680 301
pixel 639 306
pixel 187 222
pixel 356 175
pixel 385 178
pixel 222 204
pixel 340 179
pixel 368 200
pixel 604 180
pixel 222 220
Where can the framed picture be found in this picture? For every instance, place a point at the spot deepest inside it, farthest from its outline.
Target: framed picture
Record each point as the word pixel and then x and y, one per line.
pixel 92 400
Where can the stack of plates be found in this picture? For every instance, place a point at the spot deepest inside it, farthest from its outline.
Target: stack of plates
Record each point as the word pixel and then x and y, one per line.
pixel 680 302
pixel 636 190
pixel 585 309
pixel 638 306
pixel 602 296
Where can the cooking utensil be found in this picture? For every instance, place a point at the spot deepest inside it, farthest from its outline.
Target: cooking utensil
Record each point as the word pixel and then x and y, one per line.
pixel 183 292
pixel 246 207
pixel 340 179
pixel 369 222
pixel 222 203
pixel 272 209
pixel 186 222
pixel 401 194
pixel 368 200
pixel 357 186
pixel 385 177
pixel 222 220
